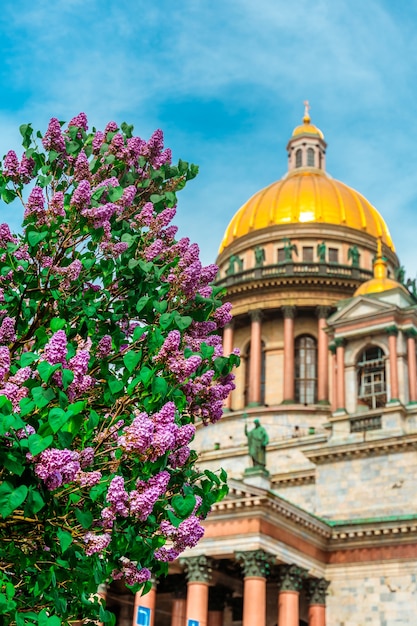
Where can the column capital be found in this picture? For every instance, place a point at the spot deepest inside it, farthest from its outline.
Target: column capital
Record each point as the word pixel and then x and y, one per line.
pixel 410 333
pixel 230 325
pixel 340 342
pixel 332 348
pixel 197 568
pixel 316 590
pixel 322 312
pixel 291 577
pixel 289 312
pixel 255 562
pixel 255 315
pixel 391 330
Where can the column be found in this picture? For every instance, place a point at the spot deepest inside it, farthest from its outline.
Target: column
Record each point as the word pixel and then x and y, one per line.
pixel 392 343
pixel 340 374
pixel 290 582
pixel 178 609
pixel 256 566
pixel 322 355
pixel 412 368
pixel 255 358
pixel 333 370
pixel 227 350
pixel 316 590
pixel 198 573
pixel 144 609
pixel 289 314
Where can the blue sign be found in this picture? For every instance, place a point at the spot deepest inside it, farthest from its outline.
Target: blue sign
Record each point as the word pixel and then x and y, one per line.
pixel 193 622
pixel 143 617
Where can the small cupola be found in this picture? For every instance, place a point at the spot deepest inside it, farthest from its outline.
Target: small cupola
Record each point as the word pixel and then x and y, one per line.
pixel 306 148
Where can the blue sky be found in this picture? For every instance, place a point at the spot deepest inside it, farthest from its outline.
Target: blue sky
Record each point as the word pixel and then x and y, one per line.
pixel 226 81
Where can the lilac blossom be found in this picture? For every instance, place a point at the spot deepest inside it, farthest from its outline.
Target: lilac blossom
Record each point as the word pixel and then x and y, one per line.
pixel 35 204
pixel 6 236
pixel 57 467
pixel 117 496
pixel 86 457
pixel 104 347
pixel 7 330
pixel 56 205
pixel 96 543
pixel 11 165
pixel 79 120
pixel 53 138
pixel 26 168
pixel 81 197
pixel 88 479
pixel 82 167
pixel 55 350
pixel 131 573
pixel 4 361
pixel 138 436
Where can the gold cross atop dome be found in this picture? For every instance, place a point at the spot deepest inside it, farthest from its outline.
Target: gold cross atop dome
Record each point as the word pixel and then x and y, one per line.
pixel 306 118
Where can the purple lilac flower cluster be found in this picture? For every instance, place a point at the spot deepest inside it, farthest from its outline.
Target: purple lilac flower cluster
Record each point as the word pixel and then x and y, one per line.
pixel 18 171
pixel 187 535
pixel 57 467
pixel 96 543
pixel 131 573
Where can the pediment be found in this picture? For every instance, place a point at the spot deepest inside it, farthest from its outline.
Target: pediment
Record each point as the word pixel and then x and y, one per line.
pixel 358 308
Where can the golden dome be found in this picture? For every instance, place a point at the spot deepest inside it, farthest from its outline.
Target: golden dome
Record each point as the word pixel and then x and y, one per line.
pixel 380 282
pixel 307 195
pixel 307 128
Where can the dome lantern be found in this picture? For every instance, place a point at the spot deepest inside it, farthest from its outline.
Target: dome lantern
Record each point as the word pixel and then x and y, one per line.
pixel 306 148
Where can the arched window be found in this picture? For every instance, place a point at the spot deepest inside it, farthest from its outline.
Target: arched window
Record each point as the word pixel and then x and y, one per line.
pixel 298 158
pixel 310 157
pixel 246 397
pixel 372 388
pixel 305 369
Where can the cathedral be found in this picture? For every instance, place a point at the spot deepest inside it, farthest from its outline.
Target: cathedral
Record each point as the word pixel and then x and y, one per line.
pixel 319 438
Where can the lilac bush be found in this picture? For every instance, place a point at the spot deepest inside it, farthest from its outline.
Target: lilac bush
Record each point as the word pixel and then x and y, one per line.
pixel 109 356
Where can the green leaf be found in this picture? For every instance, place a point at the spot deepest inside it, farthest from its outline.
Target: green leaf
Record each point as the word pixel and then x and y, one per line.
pixel 141 303
pixel 76 408
pixel 7 422
pixel 38 444
pixel 159 386
pixel 114 193
pixel 57 324
pixel 11 498
pixel 65 539
pixel 166 319
pixel 183 506
pixel 67 378
pixel 85 518
pixel 131 359
pixel 13 462
pixel 34 503
pixel 35 237
pixel 175 521
pixel 93 420
pixel 115 385
pixel 183 321
pixel 160 306
pixel 138 332
pixel 42 397
pixel 146 374
pixel 46 370
pixel 27 358
pixel 57 418
pixel 26 406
